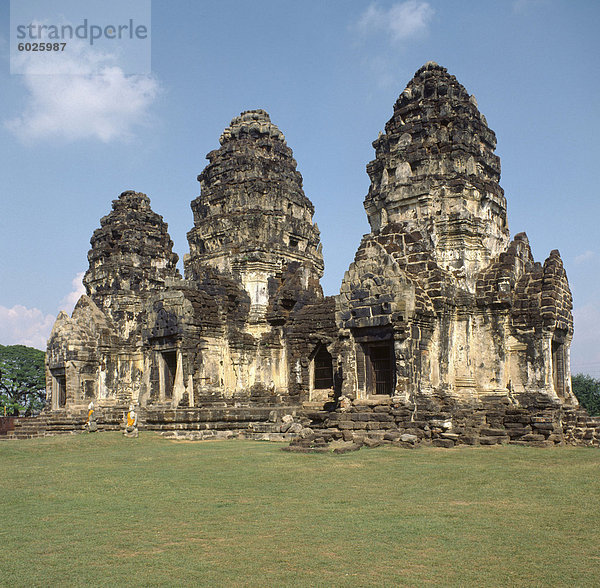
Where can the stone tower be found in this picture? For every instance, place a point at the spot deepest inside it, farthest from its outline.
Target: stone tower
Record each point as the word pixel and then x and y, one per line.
pixel 131 256
pixel 438 304
pixel 435 171
pixel 252 220
pixel 97 354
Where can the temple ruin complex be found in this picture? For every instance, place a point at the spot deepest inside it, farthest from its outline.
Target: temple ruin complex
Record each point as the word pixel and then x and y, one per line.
pixel 445 330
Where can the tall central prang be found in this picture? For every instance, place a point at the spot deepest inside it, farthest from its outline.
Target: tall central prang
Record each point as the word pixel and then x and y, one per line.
pixel 439 304
pixel 252 219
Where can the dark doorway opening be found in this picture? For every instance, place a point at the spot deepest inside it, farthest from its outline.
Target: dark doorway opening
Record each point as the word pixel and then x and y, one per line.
pixel 170 371
pixel 558 368
pixel 323 369
pixel 380 368
pixel 60 387
pixel 62 391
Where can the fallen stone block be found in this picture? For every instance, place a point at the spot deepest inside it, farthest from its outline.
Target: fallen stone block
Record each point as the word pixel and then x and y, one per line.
pixel 347 449
pixel 447 443
pixel 408 438
pixel 533 437
pixel 489 440
pixel 368 442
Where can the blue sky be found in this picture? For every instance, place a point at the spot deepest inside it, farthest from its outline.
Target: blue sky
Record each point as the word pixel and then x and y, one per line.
pixel 328 73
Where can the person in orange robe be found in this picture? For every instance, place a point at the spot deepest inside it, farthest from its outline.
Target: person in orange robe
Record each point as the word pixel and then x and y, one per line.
pixel 91 424
pixel 131 429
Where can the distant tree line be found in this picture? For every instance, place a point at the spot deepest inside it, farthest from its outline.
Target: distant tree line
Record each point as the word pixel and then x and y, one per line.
pixel 587 390
pixel 22 380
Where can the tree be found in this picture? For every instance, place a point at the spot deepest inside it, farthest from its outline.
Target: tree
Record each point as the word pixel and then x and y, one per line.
pixel 587 390
pixel 22 379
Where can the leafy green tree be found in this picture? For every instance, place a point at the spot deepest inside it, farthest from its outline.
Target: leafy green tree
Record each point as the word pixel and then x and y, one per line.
pixel 587 390
pixel 22 379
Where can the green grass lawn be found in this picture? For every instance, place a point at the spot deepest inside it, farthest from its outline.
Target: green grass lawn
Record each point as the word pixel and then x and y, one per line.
pixel 101 510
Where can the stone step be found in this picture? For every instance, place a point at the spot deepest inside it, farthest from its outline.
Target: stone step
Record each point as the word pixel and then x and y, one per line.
pixel 205 426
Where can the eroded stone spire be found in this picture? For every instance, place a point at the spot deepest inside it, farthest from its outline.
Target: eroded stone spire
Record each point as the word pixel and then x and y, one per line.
pixel 252 219
pixel 435 170
pixel 131 254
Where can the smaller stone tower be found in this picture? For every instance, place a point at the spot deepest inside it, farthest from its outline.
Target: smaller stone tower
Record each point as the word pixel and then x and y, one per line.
pixel 131 256
pixel 97 353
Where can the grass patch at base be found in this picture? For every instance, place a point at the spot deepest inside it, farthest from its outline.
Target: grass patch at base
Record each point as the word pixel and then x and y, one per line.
pixel 103 510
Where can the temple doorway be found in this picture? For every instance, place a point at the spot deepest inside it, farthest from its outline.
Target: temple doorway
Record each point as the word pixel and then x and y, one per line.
pixel 169 372
pixel 380 368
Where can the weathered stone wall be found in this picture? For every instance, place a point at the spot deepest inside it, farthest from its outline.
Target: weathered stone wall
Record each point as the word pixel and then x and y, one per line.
pixel 580 428
pixel 447 423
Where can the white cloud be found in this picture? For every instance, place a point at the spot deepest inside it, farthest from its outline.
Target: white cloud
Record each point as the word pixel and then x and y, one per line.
pixel 585 350
pixel 585 256
pixel 90 98
pixel 20 325
pixel 25 326
pixel 70 300
pixel 401 21
pixel 524 6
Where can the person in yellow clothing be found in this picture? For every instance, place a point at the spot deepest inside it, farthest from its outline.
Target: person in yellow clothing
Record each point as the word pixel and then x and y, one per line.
pixel 131 429
pixel 91 424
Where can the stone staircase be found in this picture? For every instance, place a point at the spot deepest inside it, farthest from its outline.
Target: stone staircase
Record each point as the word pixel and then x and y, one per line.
pixel 73 421
pixel 219 420
pixel 22 427
pixel 250 416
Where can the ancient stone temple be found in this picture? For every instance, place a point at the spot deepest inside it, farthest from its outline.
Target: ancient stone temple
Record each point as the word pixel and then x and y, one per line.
pixel 445 330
